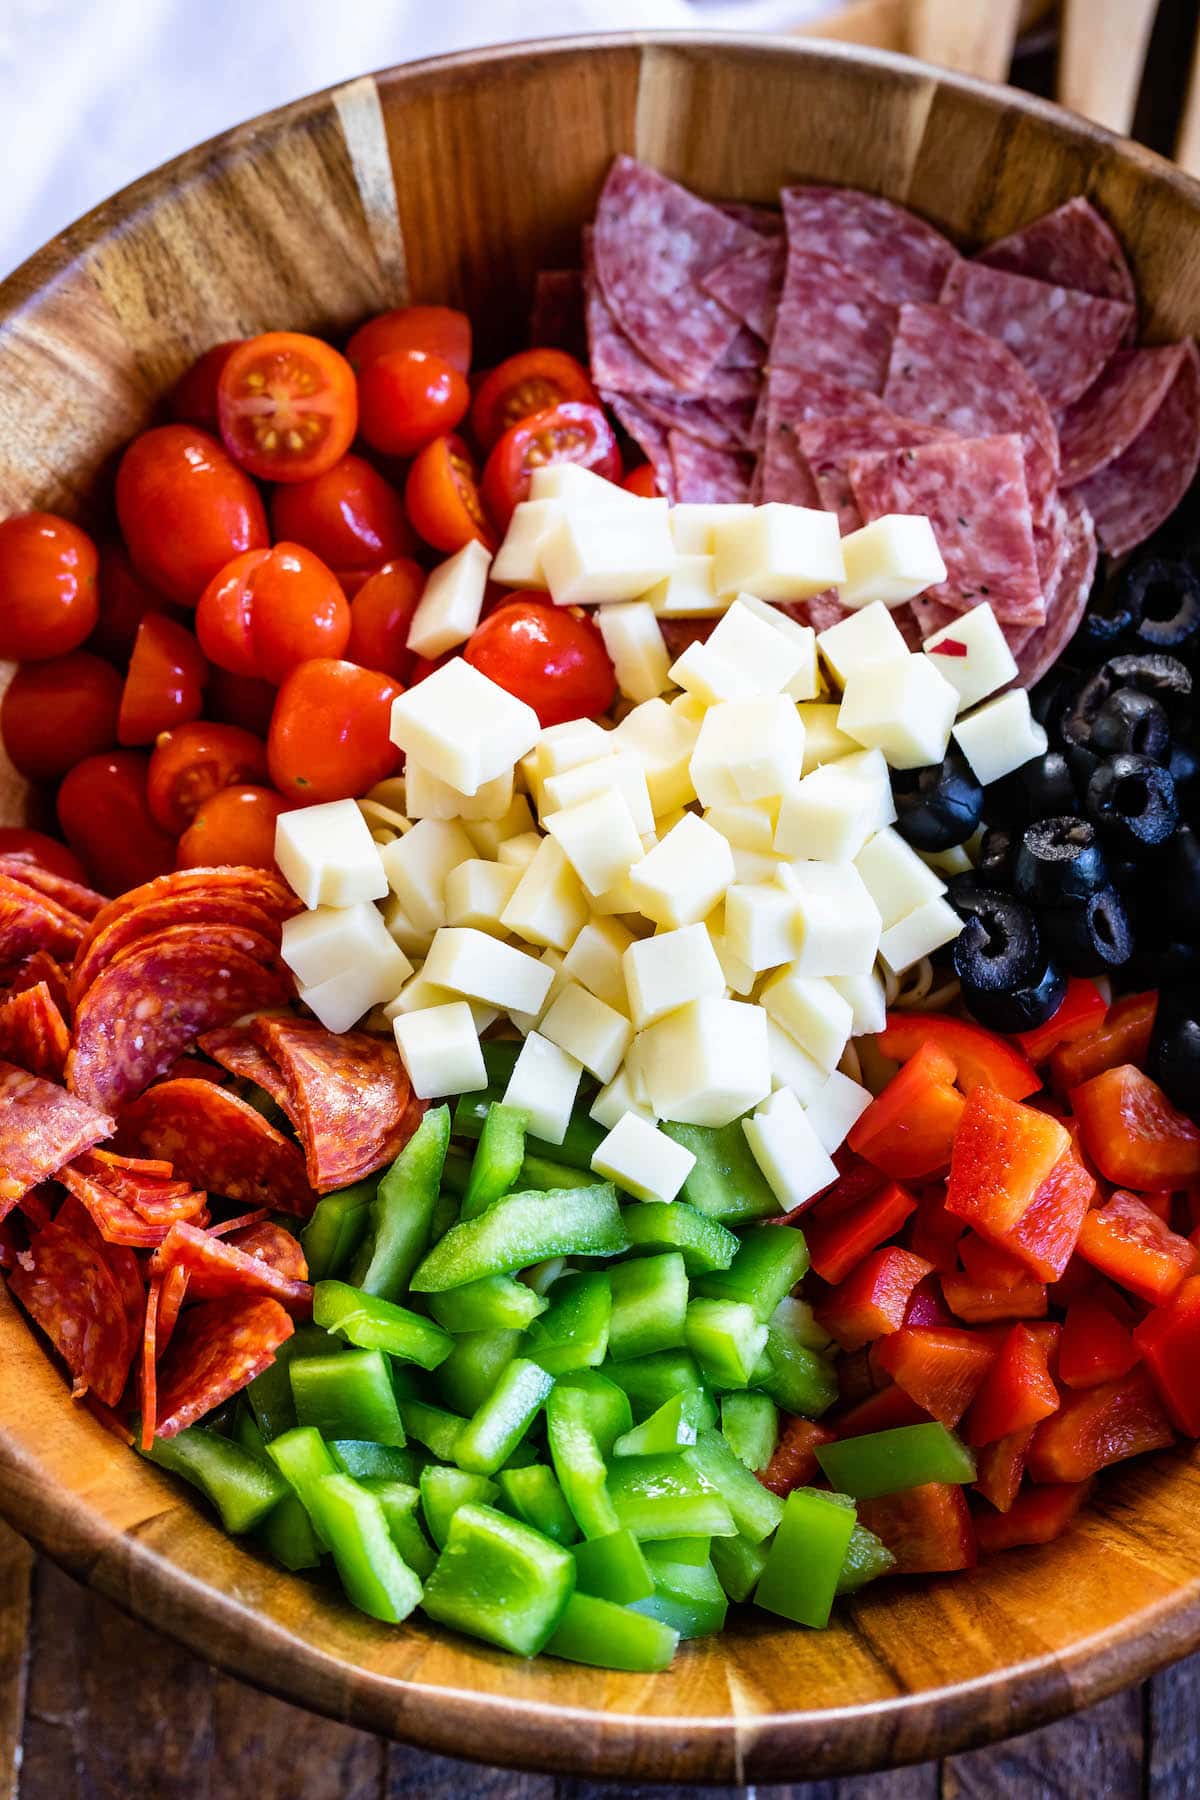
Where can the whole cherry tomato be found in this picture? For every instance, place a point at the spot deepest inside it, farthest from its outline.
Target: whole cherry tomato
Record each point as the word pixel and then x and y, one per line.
pixel 185 509
pixel 104 817
pixel 58 711
pixel 239 700
pixel 530 382
pixel 407 398
pixel 19 844
pixel 125 599
pixel 288 405
pixel 380 616
pixel 165 683
pixel 192 763
pixel 351 517
pixel 573 432
pixel 552 657
pixel 193 399
pixel 329 731
pixel 48 595
pixel 642 481
pixel 235 825
pixel 270 610
pixel 442 497
pixel 439 329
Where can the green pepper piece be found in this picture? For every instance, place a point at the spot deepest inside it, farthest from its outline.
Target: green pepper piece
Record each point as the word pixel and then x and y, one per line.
pixel 670 1428
pixel 497 1426
pixel 301 1457
pixel 795 1319
pixel 375 1462
pixel 694 1550
pixel 446 1210
pixel 578 1460
pixel 337 1227
pixel 750 1424
pixel 270 1394
pixel 500 1581
pixel 373 1573
pixel 649 1305
pixel 456 1172
pixel 285 1532
pixel 400 1501
pixel 432 1426
pixel 613 1568
pixel 494 1302
pixel 498 1159
pixel 755 1510
pixel 658 1225
pixel 573 1332
pixel 348 1396
pixel 725 1183
pixel 375 1324
pixel 795 1376
pixel 402 1214
pixel 243 1489
pixel 806 1557
pixel 687 1597
pixel 867 1558
pixel 770 1261
pixel 661 1497
pixel 523 1229
pixel 534 1496
pixel 542 1276
pixel 582 1139
pixel 607 1636
pixel 541 1173
pixel 884 1462
pixel 726 1339
pixel 443 1491
pixel 473 1368
pixel 606 1405
pixel 650 1382
pixel 739 1564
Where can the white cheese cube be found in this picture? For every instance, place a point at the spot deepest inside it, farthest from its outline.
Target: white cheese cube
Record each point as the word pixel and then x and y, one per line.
pixel 805 684
pixel 596 961
pixel 693 523
pixel 518 852
pixel 429 797
pixel 418 864
pixel 449 608
pixel 706 1063
pixel 689 707
pixel 830 814
pixel 745 825
pixel 567 746
pixel 680 881
pixel 865 996
pixel 902 707
pixel 617 1099
pixel 661 741
pixel 341 1000
pixel 893 559
pixel 621 771
pixel 548 906
pixel 779 553
pixel 792 1158
pixel 327 855
pixel 527 777
pixel 616 902
pixel 764 655
pixel 792 1067
pixel 477 892
pixel 747 750
pixel 999 736
pixel 972 654
pixel 598 838
pixel 957 860
pixel 642 1160
pixel 440 1051
pixel 823 742
pixel 895 877
pixel 587 558
pixel 331 939
pixel 919 934
pixel 576 486
pixel 552 960
pixel 414 940
pixel 636 647
pixel 476 966
pixel 634 1069
pixel 462 725
pixel 751 867
pixel 834 1111
pixel 760 924
pixel 518 561
pixel 686 591
pixel 419 993
pixel 866 637
pixel 837 922
pixel 594 1034
pixel 708 679
pixel 812 1010
pixel 543 1085
pixel 668 971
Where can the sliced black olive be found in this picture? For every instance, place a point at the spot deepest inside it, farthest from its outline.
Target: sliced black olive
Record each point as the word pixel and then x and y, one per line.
pixel 939 806
pixel 1175 1060
pixel 1050 785
pixel 972 893
pixel 996 855
pixel 1152 672
pixel 1180 887
pixel 1132 722
pixel 1008 1007
pixel 999 948
pixel 1092 937
pixel 1161 595
pixel 1085 697
pixel 1133 801
pixel 1058 862
pixel 1104 627
pixel 1083 763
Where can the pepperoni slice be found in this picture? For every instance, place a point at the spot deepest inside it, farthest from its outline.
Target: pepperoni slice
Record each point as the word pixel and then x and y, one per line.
pixel 114 1218
pixel 170 1303
pixel 148 1374
pixel 41 1128
pixel 217 1268
pixel 211 906
pixel 219 1142
pixel 257 886
pixel 217 1348
pixel 123 1265
pixel 30 921
pixel 234 1047
pixel 83 901
pixel 157 1199
pixel 67 1288
pixel 41 966
pixel 33 1032
pixel 272 1244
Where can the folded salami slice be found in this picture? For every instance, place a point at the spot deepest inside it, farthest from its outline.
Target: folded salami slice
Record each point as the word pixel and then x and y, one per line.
pixel 1067 604
pixel 218 1142
pixel 827 446
pixel 897 254
pixel 123 1265
pixel 201 906
pixel 83 901
pixel 115 1217
pixel 793 398
pixel 1061 336
pixel 42 1127
pixel 556 321
pixel 258 887
pixel 707 475
pixel 33 1032
pixel 749 285
pixel 217 1348
pixel 67 1288
pixel 721 424
pixel 217 1268
pixel 831 323
pixel 1133 495
pixel 1073 247
pixel 1104 422
pixel 237 1049
pixel 31 921
pixel 647 434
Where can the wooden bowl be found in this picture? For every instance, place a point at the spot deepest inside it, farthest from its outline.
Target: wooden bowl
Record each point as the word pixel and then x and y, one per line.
pixel 455 180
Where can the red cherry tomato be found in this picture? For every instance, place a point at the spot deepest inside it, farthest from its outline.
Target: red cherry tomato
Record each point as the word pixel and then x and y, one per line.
pixel 552 657
pixel 185 509
pixel 329 731
pixel 270 610
pixel 239 700
pixel 18 844
pixel 642 481
pixel 59 711
pixel 439 329
pixel 235 825
pixel 442 497
pixel 192 763
pixel 288 405
pixel 104 817
pixel 48 594
pixel 573 432
pixel 407 398
pixel 125 599
pixel 193 399
pixel 533 381
pixel 350 516
pixel 380 616
pixel 165 683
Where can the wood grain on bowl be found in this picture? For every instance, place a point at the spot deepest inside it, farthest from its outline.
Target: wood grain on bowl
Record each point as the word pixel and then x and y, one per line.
pixel 456 180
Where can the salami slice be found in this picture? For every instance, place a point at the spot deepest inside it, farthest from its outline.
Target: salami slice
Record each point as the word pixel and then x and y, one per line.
pixel 556 321
pixel 113 1216
pixel 704 474
pixel 745 352
pixel 973 492
pixel 1062 337
pixel 1073 247
pixel 67 1288
pixel 721 424
pixel 828 444
pixel 1068 603
pixel 217 1348
pixel 218 1142
pixel 272 1244
pixel 749 285
pixel 217 1268
pixel 202 907
pixel 41 966
pixel 1130 497
pixel 766 220
pixel 30 921
pixel 170 1304
pixel 897 254
pixel 258 887
pixel 236 1049
pixel 41 1128
pixel 148 1372
pixel 1050 546
pixel 1116 409
pixel 831 323
pixel 33 1032
pixel 85 902
pixel 793 398
pixel 649 436
pixel 123 1265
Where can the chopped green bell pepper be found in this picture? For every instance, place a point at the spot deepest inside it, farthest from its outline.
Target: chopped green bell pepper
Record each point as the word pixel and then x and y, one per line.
pixel 534 1496
pixel 497 1426
pixel 607 1636
pixel 286 1531
pixel 613 1567
pixel 867 1558
pixel 806 1558
pixel 437 1429
pixel 500 1581
pixel 670 1428
pixel 770 1261
pixel 739 1565
pixel 337 1227
pixel 243 1489
pixel 583 1137
pixel 573 1332
pixel 798 1378
pixel 375 1324
pixel 660 1225
pixel 402 1213
pixel 662 1497
pixel 541 1173
pixel 270 1394
pixel 605 1404
pixel 694 1550
pixel 373 1573
pixel 687 1596
pixel 443 1491
pixel 649 1305
pixel 376 1462
pixel 400 1502
pixel 473 1368
pixel 755 1510
pixel 725 1182
pixel 498 1158
pixel 650 1381
pixel 301 1456
pixel 523 1229
pixel 726 1339
pixel 884 1462
pixel 494 1303
pixel 347 1396
pixel 578 1460
pixel 750 1423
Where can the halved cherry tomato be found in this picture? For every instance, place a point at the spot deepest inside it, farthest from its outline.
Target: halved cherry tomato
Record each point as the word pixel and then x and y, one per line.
pixel 240 700
pixel 192 763
pixel 48 594
pixel 125 599
pixel 104 817
pixel 441 330
pixel 270 610
pixel 442 497
pixel 574 432
pixel 381 613
pixel 18 844
pixel 642 481
pixel 407 398
pixel 552 657
pixel 350 516
pixel 185 509
pixel 329 731
pixel 193 399
pixel 531 382
pixel 58 711
pixel 288 405
pixel 235 825
pixel 165 683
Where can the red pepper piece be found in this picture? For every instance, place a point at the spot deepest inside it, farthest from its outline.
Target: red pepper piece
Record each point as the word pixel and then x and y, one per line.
pixel 1123 1037
pixel 1169 1340
pixel 934 1233
pixel 856 1376
pixel 940 1369
pixel 908 1130
pixel 794 1463
pixel 1000 1466
pixel 1097 1426
pixel 1016 1392
pixel 1133 1134
pixel 1045 1235
pixel 882 1411
pixel 1082 1012
pixel 990 1264
pixel 1132 1245
pixel 981 1058
pixel 926 1305
pixel 838 1242
pixel 1095 1346
pixel 874 1298
pixel 979 1303
pixel 1161 1203
pixel 927 1529
pixel 1037 1516
pixel 1003 1152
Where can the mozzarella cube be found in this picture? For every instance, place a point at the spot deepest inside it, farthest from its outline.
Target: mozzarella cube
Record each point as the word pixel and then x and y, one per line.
pixel 693 523
pixel 812 1010
pixel 902 707
pixel 747 750
pixel 419 993
pixel 476 966
pixel 957 860
pixel 642 1160
pixel 1000 736
pixel 594 1034
pixel 477 892
pixel 751 867
pixel 661 741
pixel 866 999
pixel 617 1099
pixel 331 939
pixel 340 1002
pixel 768 658
pixel 598 838
pixel 760 924
pixel 669 970
pixel 805 684
pixel 926 929
pixel 895 876
pixel 682 878
pixel 548 906
pixel 590 556
pixel 412 939
pixel 518 852
pixel 636 647
pixel 518 561
pixel 823 741
pixel 791 1066
pixel 440 1051
pixel 745 825
pixel 866 637
pixel 778 552
pixel 327 855
pixel 707 678
pixel 686 591
pixel 615 902
pixel 972 654
pixel 706 1063
pixel 429 797
pixel 689 707
pixel 465 727
pixel 417 866
pixel 621 771
pixel 567 746
pixel 596 961
pixel 576 486
pixel 893 559
pixel 792 1158
pixel 552 960
pixel 830 814
pixel 449 608
pixel 837 922
pixel 543 1085
pixel 834 1111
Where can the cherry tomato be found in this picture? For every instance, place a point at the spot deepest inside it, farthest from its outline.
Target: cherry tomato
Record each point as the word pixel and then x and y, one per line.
pixel 329 731
pixel 58 711
pixel 192 763
pixel 104 817
pixel 552 657
pixel 407 398
pixel 125 599
pixel 573 432
pixel 380 616
pixel 235 825
pixel 350 516
pixel 288 406
pixel 530 382
pixel 270 610
pixel 165 683
pixel 642 481
pixel 239 700
pixel 185 508
pixel 439 329
pixel 442 497
pixel 48 595
pixel 18 844
pixel 193 399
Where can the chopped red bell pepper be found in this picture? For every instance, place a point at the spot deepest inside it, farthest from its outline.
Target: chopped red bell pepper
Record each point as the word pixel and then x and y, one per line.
pixel 991 1265
pixel 926 1305
pixel 1000 1466
pixel 1037 1516
pixel 927 1529
pixel 1097 1426
pixel 856 1376
pixel 1123 1037
pixel 1045 1235
pixel 874 1297
pixel 1082 1011
pixel 1048 1333
pixel 794 1462
pixel 1003 1152
pixel 885 1410
pixel 1096 1346
pixel 979 1303
pixel 941 1369
pixel 981 1058
pixel 1133 1134
pixel 1169 1341
pixel 838 1240
pixel 934 1233
pixel 908 1130
pixel 1131 1244
pixel 1161 1202
pixel 1016 1392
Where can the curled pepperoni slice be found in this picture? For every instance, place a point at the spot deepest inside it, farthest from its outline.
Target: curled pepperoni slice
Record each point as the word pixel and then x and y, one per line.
pixel 217 1348
pixel 65 1285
